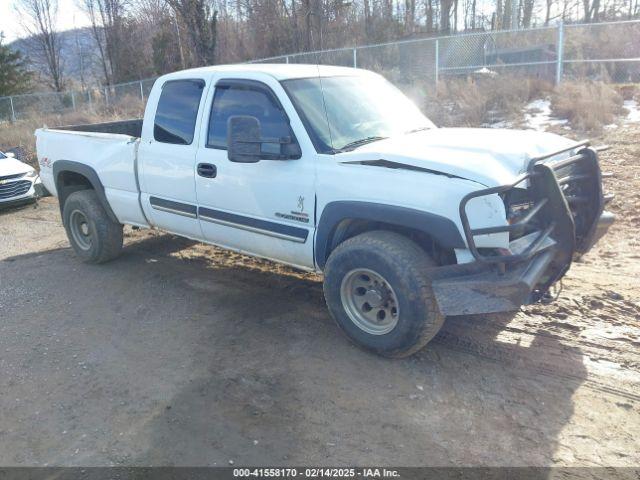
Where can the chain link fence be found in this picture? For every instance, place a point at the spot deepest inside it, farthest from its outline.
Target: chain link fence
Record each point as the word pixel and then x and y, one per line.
pixel 129 96
pixel 607 51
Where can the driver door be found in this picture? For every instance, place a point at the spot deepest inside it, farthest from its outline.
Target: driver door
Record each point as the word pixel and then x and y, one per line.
pixel 264 208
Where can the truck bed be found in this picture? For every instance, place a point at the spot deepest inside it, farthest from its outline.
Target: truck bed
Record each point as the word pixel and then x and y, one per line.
pixel 109 149
pixel 132 127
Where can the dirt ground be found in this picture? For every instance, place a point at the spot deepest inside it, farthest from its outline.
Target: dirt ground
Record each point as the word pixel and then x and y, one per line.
pixel 179 353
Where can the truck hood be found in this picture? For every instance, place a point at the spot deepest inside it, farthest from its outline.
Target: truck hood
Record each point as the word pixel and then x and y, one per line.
pixel 11 166
pixel 487 156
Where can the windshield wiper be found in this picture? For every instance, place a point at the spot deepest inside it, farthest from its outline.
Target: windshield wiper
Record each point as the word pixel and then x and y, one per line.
pixel 421 129
pixel 359 143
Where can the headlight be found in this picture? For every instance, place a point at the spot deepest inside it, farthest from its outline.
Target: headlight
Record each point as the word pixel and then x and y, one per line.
pixel 31 174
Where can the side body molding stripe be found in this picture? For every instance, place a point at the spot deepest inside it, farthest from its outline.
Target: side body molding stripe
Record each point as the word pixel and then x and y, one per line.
pixel 442 229
pixel 256 225
pixel 265 227
pixel 170 206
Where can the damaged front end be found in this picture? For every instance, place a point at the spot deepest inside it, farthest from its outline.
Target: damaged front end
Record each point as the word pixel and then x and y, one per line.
pixel 556 212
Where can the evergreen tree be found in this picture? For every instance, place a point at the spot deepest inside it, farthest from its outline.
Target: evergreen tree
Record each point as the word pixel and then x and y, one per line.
pixel 14 77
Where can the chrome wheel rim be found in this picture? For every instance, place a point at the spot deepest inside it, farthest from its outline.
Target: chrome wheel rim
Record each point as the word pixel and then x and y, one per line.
pixel 79 226
pixel 369 301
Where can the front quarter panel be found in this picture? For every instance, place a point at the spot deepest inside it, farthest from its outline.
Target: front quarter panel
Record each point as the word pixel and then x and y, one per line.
pixel 432 193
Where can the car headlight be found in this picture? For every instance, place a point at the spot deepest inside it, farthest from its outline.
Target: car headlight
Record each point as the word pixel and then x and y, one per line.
pixel 31 174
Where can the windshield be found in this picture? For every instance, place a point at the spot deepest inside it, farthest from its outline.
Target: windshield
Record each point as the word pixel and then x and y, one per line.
pixel 359 110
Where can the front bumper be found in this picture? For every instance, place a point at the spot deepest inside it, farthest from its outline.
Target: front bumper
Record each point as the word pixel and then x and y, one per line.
pixel 20 190
pixel 568 208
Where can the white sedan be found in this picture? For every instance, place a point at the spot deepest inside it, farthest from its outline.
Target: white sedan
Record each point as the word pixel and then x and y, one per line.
pixel 19 182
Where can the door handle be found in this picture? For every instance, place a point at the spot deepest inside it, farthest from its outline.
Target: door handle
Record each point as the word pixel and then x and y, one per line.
pixel 207 170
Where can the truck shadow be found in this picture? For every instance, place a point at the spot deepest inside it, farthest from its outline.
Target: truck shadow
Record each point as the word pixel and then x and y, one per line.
pixel 216 363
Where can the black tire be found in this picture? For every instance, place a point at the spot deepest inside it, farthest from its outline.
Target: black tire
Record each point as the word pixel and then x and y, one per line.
pixel 404 266
pixel 103 238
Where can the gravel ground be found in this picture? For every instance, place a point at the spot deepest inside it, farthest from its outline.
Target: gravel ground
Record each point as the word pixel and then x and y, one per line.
pixel 179 353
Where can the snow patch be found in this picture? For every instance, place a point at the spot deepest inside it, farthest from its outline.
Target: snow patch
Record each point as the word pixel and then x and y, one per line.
pixel 634 111
pixel 486 71
pixel 537 115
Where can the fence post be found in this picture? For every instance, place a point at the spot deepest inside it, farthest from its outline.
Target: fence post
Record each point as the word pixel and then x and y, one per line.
pixel 560 52
pixel 141 92
pixel 13 112
pixel 437 61
pixel 355 58
pixel 89 98
pixel 73 100
pixel 286 59
pixel 106 97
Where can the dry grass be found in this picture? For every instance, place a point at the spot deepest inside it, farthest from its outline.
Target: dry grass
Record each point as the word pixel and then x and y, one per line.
pixel 481 100
pixel 588 106
pixel 628 91
pixel 475 101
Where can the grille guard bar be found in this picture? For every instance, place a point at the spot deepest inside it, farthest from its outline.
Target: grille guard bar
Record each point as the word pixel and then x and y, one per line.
pixel 533 247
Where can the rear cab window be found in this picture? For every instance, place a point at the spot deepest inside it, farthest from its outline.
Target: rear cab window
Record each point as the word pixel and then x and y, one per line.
pixel 177 111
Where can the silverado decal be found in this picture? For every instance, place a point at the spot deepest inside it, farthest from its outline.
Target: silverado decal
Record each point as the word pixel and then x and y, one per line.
pixel 296 216
pixel 299 216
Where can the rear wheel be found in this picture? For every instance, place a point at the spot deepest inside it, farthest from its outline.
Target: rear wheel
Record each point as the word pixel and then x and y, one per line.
pixel 378 290
pixel 92 234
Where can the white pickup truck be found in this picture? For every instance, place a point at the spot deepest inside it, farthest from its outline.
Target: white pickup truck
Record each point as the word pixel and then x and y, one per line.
pixel 334 170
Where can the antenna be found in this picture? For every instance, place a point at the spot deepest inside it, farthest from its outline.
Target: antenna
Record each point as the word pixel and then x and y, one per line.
pixel 317 54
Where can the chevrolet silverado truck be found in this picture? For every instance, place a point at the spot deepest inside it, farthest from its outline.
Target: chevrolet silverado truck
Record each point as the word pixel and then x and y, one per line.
pixel 334 170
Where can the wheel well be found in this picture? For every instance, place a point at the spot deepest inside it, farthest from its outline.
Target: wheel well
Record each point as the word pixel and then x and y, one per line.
pixel 69 182
pixel 351 227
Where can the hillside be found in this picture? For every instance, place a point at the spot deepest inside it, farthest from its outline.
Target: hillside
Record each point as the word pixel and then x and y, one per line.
pixel 80 56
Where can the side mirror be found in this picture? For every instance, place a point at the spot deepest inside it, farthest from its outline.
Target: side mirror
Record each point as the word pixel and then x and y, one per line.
pixel 243 139
pixel 10 154
pixel 246 145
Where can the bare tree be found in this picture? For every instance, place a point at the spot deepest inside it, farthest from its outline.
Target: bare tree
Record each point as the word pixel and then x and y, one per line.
pixel 430 15
pixel 445 15
pixel 107 23
pixel 38 19
pixel 547 16
pixel 591 10
pixel 527 12
pixel 201 26
pixel 140 38
pixel 409 16
pixel 99 38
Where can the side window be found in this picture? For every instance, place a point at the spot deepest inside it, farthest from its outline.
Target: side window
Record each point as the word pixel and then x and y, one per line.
pixel 230 101
pixel 177 111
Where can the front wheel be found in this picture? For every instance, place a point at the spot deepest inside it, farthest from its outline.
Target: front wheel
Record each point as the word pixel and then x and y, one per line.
pixel 378 290
pixel 92 234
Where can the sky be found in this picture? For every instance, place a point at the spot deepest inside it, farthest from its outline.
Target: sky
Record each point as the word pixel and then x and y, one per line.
pixel 69 16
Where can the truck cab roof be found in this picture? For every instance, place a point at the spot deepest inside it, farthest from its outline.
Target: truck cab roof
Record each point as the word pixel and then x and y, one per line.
pixel 278 71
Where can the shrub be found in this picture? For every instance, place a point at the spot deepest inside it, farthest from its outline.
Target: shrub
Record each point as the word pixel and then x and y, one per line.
pixel 628 91
pixel 477 100
pixel 589 106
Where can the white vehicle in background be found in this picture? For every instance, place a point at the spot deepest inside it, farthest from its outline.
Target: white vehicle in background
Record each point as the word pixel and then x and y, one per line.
pixel 19 182
pixel 334 170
